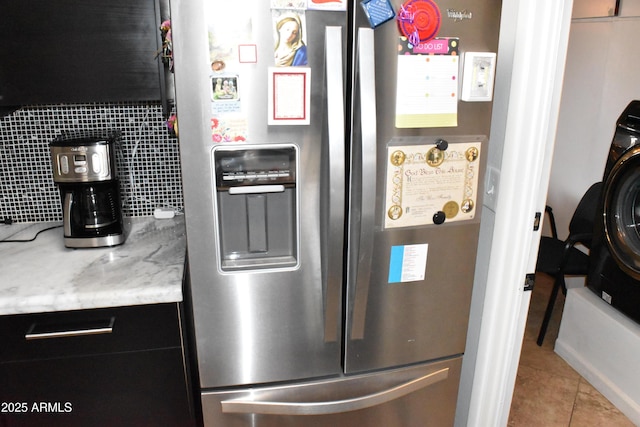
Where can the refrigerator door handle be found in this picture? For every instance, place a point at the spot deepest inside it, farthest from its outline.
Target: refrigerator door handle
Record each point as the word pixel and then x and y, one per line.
pixel 366 70
pixel 336 155
pixel 243 406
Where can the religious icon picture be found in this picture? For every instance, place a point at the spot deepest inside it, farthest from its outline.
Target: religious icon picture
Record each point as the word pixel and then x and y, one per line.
pixel 290 49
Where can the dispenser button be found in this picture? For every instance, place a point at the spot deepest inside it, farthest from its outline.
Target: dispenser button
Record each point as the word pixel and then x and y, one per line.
pixel 95 163
pixel 80 169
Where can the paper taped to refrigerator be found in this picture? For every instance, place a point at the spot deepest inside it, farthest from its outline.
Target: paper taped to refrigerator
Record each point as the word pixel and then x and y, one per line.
pixel 408 263
pixel 426 185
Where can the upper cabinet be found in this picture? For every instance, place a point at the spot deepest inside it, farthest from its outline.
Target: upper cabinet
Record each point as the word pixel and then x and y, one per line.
pixel 75 51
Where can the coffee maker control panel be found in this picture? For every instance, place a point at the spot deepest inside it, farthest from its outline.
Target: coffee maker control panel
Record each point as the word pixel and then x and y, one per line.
pixel 89 163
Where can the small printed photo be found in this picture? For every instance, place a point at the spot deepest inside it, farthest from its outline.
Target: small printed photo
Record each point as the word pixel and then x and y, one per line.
pixel 224 88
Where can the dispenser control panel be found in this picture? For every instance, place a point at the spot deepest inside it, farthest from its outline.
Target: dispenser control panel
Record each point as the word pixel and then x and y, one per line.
pixel 259 166
pixel 256 201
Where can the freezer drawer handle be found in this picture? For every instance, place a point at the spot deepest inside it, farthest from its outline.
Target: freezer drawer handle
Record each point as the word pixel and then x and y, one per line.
pixel 37 332
pixel 240 406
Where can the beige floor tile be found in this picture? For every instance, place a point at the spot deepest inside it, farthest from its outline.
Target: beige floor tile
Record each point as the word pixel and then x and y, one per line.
pixel 593 409
pixel 544 357
pixel 542 399
pixel 548 391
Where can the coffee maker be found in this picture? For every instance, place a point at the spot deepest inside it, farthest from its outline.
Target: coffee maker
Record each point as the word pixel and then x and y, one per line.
pixel 84 167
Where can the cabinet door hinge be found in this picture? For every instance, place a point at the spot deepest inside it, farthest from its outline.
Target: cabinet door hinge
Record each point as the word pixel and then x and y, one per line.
pixel 529 281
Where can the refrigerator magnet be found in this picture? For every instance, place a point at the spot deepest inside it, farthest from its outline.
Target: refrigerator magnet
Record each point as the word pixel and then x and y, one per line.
pixel 290 48
pixel 225 95
pixel 337 5
pixel 228 129
pixel 289 96
pixel 224 88
pixel 247 53
pixel 377 11
pixel 419 20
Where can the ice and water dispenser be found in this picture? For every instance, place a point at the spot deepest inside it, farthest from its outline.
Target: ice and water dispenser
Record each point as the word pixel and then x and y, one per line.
pixel 256 206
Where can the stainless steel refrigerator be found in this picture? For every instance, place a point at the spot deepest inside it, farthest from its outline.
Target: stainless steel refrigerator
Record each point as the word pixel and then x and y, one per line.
pixel 332 199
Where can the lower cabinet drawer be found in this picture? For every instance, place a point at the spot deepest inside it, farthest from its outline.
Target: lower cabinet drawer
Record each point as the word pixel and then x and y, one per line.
pixel 122 366
pixel 87 332
pixel 146 388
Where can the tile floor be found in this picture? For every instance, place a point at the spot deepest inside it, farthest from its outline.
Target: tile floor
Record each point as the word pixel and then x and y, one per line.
pixel 548 392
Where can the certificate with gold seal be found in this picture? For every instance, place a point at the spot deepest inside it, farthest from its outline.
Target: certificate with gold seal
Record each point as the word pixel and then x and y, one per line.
pixel 425 184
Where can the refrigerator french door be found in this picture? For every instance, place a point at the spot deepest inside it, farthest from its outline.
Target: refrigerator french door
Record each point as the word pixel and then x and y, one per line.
pixel 332 228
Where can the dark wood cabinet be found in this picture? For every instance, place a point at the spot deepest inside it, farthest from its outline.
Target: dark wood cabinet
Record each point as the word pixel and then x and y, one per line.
pixel 74 51
pixel 123 366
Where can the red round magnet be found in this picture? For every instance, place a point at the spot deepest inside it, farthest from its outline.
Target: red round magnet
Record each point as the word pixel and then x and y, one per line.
pixel 419 20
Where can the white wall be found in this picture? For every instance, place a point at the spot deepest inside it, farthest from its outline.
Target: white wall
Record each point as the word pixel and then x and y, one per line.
pixel 602 76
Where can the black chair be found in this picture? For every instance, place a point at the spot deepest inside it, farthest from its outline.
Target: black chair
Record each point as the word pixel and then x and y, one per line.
pixel 560 258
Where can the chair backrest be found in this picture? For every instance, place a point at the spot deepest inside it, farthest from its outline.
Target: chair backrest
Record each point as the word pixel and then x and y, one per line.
pixel 585 214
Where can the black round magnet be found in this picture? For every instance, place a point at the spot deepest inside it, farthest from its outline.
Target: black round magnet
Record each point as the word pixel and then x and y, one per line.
pixel 439 217
pixel 442 144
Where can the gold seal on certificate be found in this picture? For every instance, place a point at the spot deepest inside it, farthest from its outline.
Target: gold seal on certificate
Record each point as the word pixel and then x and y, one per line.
pixel 451 209
pixel 395 212
pixel 435 157
pixel 472 154
pixel 397 158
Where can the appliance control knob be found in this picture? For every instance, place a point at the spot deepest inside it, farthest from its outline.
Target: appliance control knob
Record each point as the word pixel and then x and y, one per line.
pixel 439 217
pixel 442 144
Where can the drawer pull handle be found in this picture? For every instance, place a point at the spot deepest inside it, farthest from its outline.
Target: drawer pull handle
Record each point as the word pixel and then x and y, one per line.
pixel 37 332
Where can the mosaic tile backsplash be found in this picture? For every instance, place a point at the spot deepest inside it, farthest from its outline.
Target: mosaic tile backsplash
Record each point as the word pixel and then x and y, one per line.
pixel 150 178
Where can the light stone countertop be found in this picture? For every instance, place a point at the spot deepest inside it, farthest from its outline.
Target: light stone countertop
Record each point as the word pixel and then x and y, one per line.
pixel 44 276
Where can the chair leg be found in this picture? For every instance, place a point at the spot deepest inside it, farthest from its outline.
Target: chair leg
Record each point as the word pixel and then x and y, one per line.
pixel 549 311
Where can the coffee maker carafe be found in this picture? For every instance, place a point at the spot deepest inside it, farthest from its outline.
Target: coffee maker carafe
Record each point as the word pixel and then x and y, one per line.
pixel 84 168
